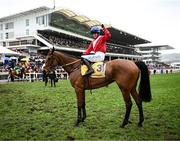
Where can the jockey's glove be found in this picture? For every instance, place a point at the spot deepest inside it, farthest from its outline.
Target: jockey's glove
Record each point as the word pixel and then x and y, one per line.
pixel 102 25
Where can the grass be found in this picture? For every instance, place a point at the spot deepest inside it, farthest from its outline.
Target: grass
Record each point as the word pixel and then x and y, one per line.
pixel 30 111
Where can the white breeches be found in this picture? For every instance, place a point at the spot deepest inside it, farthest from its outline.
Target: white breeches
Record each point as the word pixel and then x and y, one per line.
pixel 97 57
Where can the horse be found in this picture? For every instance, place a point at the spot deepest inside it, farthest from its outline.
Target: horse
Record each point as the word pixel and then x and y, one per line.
pixel 124 72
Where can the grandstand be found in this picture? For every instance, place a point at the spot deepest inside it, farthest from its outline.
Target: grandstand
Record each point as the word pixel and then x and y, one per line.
pixel 43 28
pixel 151 55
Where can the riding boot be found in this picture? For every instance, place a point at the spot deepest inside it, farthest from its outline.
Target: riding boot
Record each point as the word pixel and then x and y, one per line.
pixel 87 63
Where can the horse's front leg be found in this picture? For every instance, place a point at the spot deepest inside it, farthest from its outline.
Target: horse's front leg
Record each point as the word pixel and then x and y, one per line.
pixel 84 112
pixel 81 114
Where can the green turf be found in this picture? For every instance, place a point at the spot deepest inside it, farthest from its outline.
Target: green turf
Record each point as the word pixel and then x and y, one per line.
pixel 29 111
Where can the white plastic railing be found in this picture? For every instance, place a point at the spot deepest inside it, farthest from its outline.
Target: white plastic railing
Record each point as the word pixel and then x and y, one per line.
pixel 33 76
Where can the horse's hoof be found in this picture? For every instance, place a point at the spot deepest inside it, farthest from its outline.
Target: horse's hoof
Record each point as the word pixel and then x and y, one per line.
pixel 129 122
pixel 122 126
pixel 76 124
pixel 140 125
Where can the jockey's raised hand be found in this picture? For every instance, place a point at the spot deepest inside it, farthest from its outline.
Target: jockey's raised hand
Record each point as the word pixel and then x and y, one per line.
pixel 102 25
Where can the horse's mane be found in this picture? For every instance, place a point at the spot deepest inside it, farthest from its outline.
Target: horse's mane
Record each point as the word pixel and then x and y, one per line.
pixel 70 55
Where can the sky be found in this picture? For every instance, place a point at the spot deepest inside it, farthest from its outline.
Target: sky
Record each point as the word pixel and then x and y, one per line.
pixel 155 20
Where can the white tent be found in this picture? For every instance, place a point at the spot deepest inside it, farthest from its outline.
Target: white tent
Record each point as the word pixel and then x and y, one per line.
pixel 4 50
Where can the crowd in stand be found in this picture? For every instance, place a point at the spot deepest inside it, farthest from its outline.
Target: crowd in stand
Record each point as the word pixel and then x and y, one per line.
pixel 66 41
pixel 121 50
pixel 72 42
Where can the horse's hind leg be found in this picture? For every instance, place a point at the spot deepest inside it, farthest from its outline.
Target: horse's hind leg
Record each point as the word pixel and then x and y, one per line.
pixel 139 105
pixel 128 103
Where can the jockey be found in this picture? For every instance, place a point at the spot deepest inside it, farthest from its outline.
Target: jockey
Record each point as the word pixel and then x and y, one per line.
pixel 98 45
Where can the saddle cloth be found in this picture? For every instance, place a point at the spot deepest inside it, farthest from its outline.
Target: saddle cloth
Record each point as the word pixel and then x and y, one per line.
pixel 98 67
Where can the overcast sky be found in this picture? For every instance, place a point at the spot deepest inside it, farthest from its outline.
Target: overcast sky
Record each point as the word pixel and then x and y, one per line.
pixel 154 20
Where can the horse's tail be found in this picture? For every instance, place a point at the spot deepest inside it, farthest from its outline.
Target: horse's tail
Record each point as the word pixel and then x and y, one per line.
pixel 144 85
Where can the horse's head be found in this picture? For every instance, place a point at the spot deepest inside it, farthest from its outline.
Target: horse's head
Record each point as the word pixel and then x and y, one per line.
pixel 51 61
pixel 58 58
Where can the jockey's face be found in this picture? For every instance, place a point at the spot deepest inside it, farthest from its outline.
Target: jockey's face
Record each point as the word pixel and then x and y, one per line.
pixel 95 35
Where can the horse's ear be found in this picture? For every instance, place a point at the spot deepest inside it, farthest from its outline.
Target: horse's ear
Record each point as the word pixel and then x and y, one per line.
pixel 52 50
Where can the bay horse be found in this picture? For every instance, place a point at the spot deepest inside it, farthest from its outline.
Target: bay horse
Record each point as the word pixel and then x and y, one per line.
pixel 124 72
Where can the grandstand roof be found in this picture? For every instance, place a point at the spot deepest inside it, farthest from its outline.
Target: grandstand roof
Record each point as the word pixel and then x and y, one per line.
pixel 93 23
pixel 118 36
pixel 67 12
pixel 82 18
pixel 125 38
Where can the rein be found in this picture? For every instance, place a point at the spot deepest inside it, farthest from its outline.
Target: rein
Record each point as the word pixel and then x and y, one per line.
pixel 73 69
pixel 68 64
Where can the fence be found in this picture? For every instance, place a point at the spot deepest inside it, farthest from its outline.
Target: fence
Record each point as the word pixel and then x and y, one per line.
pixel 33 76
pixel 164 71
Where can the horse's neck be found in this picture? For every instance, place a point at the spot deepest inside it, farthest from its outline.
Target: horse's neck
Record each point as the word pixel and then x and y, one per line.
pixel 64 60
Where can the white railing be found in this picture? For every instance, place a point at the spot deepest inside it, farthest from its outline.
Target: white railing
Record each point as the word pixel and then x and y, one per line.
pixel 164 71
pixel 33 76
pixel 38 76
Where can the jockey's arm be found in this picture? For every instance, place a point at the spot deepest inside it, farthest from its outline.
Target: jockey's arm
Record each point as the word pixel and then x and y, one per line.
pixel 89 49
pixel 107 34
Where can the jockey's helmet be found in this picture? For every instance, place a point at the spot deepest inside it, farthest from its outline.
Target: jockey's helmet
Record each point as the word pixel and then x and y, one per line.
pixel 95 29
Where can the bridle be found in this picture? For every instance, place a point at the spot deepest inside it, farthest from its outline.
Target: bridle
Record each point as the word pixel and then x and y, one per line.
pixel 69 64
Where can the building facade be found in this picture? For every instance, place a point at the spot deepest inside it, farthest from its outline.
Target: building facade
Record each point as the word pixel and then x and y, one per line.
pixel 17 31
pixel 43 28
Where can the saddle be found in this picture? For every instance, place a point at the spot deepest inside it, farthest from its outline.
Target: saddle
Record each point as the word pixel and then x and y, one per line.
pixel 98 67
